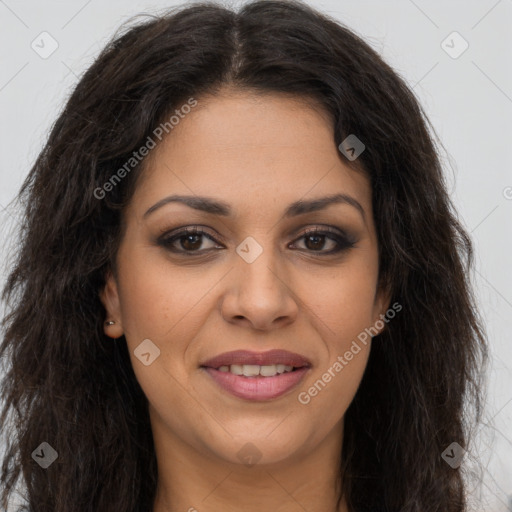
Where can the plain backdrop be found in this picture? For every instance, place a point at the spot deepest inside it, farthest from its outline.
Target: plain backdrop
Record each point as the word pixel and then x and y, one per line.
pixel 466 94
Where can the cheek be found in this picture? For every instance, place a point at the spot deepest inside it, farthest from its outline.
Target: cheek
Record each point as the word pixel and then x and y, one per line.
pixel 167 306
pixel 344 302
pixel 332 389
pixel 154 300
pixel 345 307
pixel 163 306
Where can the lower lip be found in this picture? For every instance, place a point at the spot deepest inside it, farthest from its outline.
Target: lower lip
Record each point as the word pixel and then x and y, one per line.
pixel 257 388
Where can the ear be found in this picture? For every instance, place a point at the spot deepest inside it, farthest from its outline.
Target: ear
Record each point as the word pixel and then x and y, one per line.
pixel 109 297
pixel 381 306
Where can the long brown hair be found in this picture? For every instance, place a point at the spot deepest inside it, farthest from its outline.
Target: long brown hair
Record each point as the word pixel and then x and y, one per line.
pixel 69 385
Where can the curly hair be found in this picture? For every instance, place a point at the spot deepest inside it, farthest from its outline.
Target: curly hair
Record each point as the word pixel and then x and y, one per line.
pixel 68 384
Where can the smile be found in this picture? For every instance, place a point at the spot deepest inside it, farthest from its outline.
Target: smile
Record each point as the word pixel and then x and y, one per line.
pixel 257 376
pixel 254 370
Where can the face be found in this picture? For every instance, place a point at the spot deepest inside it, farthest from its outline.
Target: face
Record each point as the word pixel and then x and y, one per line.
pixel 266 270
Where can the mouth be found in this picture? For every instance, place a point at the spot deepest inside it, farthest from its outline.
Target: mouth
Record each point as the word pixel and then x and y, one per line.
pixel 257 376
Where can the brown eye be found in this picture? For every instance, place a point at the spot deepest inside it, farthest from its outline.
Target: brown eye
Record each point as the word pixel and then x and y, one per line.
pixel 315 241
pixel 190 240
pixel 187 240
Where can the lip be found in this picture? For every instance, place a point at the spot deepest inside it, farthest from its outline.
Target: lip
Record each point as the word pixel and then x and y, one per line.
pixel 257 388
pixel 260 358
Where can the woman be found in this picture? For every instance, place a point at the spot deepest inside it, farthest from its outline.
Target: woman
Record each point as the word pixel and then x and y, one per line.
pixel 241 283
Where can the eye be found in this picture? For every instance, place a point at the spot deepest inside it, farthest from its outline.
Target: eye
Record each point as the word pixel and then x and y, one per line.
pixel 191 239
pixel 187 240
pixel 315 240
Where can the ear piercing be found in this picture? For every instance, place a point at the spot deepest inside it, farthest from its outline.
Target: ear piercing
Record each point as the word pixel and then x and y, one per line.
pixel 110 322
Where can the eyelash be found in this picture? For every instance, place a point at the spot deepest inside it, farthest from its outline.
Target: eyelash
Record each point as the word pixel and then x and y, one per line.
pixel 344 242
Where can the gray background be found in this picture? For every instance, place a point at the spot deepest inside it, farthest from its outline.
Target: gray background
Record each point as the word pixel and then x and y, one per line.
pixel 468 99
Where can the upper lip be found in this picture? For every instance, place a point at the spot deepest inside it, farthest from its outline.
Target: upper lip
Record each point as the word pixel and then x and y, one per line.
pixel 268 358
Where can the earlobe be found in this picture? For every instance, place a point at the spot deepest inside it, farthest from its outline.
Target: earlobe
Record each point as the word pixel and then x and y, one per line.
pixel 109 297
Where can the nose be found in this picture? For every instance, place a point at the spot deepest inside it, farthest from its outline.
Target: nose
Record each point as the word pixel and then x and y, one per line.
pixel 259 295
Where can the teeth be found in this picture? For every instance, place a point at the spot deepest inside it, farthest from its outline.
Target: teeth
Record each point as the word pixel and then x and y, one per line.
pixel 268 371
pixel 250 370
pixel 253 370
pixel 236 369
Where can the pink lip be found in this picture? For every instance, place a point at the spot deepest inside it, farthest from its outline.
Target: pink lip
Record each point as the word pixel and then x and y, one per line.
pixel 260 358
pixel 258 388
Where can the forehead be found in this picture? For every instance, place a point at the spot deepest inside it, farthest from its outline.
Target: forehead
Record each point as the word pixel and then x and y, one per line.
pixel 252 151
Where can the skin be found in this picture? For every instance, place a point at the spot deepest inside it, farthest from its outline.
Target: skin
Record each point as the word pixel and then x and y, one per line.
pixel 259 153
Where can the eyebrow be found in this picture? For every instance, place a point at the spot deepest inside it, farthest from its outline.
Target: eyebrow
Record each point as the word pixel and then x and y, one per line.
pixel 216 207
